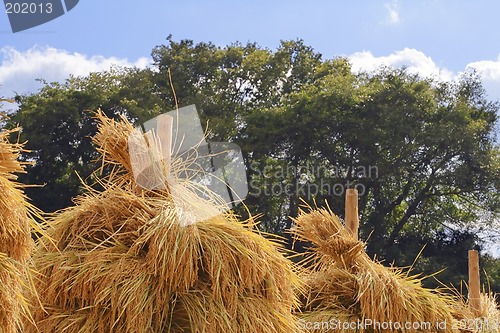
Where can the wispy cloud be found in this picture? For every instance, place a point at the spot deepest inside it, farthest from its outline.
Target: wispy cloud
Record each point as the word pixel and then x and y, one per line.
pixel 392 12
pixel 19 70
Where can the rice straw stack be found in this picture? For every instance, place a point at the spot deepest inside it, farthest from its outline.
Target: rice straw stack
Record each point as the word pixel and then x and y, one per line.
pixel 488 320
pixel 344 286
pixel 122 261
pixel 15 239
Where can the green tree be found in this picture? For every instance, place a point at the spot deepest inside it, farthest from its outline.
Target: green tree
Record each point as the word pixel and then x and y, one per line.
pixel 431 146
pixel 421 152
pixel 239 88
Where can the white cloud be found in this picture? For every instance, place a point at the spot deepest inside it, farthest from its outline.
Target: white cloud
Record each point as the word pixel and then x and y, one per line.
pixel 490 75
pixel 19 70
pixel 393 13
pixel 415 61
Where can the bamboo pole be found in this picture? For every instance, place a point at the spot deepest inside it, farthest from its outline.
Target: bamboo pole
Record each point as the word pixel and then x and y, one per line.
pixel 474 283
pixel 351 212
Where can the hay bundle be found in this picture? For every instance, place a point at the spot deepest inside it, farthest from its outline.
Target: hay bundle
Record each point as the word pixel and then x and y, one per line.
pixel 124 262
pixel 349 292
pixel 487 321
pixel 15 238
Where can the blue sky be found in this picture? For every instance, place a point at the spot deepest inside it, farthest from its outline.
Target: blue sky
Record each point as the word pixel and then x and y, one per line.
pixel 435 38
pixel 452 33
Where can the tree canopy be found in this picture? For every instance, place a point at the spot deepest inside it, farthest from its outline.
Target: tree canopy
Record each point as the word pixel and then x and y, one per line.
pixel 422 153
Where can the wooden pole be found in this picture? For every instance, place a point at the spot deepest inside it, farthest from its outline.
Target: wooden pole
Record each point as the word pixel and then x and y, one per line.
pixel 164 128
pixel 474 283
pixel 351 212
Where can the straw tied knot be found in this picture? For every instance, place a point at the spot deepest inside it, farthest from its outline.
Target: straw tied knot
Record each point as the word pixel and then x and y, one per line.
pixel 328 236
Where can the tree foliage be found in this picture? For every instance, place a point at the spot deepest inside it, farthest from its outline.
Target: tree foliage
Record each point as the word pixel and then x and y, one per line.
pixel 422 153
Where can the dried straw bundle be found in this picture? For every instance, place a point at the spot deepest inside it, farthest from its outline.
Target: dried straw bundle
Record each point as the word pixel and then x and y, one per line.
pixel 346 287
pixel 15 238
pixel 488 320
pixel 122 262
